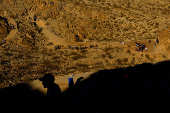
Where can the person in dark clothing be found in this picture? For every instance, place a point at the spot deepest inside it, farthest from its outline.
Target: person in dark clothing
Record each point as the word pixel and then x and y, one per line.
pixel 78 80
pixel 55 48
pixel 149 41
pixel 138 44
pixel 70 81
pixel 154 43
pixel 157 40
pixel 53 95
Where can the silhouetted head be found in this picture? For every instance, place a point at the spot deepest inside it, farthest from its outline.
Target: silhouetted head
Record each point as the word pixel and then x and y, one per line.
pixel 47 80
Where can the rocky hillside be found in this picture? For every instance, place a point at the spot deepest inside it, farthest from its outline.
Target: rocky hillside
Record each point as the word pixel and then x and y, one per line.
pixel 27 54
pixel 106 20
pixel 4 28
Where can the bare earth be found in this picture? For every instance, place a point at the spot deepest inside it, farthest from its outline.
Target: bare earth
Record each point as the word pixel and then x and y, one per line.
pixel 61 22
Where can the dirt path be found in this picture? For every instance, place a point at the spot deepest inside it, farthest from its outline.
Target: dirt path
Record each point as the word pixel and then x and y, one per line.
pixel 63 80
pixel 58 40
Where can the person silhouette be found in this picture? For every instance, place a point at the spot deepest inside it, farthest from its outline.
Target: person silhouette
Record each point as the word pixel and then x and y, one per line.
pixel 53 95
pixel 70 81
pixel 79 80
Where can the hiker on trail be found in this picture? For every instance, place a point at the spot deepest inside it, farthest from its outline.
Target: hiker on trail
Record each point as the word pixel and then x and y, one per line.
pixel 122 42
pixel 140 48
pixel 77 48
pixel 53 95
pixel 55 48
pixel 58 47
pixel 137 44
pixel 149 41
pixel 70 81
pixel 146 48
pixel 136 49
pixel 78 80
pixel 154 43
pixel 157 40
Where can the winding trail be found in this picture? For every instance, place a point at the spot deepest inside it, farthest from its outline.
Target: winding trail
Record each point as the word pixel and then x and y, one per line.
pixel 63 80
pixel 61 41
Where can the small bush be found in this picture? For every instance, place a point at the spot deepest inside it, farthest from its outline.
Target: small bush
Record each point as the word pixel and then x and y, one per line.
pixel 133 61
pixel 109 56
pixel 81 65
pixel 38 29
pixel 125 60
pixel 164 56
pixel 147 56
pixel 107 49
pixel 50 43
pixel 47 23
pixel 83 51
pixel 78 40
pixel 78 56
pixel 13 16
pixel 129 51
pixel 119 61
pixel 103 56
pixel 129 45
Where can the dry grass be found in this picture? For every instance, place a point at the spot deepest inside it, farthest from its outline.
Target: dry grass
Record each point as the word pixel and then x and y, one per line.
pixel 128 51
pixel 78 56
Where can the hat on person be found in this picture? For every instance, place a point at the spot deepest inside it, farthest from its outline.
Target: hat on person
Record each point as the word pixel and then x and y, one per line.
pixel 71 76
pixel 47 77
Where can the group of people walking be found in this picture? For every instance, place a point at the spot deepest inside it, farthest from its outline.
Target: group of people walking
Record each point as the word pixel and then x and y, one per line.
pixel 76 47
pixel 143 46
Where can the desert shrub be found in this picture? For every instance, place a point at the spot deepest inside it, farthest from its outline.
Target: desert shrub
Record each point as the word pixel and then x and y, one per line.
pixel 47 23
pixel 78 40
pixel 50 43
pixel 38 29
pixel 103 56
pixel 72 53
pixel 8 54
pixel 78 56
pixel 4 61
pixel 109 56
pixel 119 49
pixel 80 65
pixel 13 16
pixel 125 60
pixel 128 51
pixel 119 61
pixel 90 38
pixel 107 49
pixel 164 56
pixel 129 45
pixel 147 56
pixel 133 61
pixel 83 51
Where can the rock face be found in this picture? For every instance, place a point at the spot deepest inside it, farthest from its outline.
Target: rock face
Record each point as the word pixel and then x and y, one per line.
pixel 4 28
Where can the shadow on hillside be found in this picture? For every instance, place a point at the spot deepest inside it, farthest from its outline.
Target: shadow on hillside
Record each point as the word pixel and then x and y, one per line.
pixel 20 99
pixel 6 21
pixel 145 89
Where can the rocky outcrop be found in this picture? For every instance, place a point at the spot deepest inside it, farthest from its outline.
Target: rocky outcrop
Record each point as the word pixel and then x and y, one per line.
pixel 4 28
